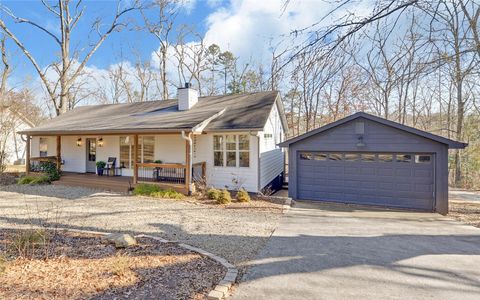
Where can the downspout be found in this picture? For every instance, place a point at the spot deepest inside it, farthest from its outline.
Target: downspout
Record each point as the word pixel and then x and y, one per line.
pixel 190 154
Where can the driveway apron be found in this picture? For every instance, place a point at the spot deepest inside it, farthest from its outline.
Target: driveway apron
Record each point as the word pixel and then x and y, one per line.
pixel 322 251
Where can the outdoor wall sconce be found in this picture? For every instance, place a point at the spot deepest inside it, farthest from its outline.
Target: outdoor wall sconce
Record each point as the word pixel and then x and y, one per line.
pixel 79 142
pixel 100 142
pixel 360 143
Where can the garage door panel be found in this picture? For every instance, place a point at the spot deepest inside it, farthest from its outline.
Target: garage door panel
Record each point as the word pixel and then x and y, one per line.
pixel 379 182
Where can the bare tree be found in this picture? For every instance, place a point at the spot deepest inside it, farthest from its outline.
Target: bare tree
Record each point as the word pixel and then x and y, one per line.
pixel 72 63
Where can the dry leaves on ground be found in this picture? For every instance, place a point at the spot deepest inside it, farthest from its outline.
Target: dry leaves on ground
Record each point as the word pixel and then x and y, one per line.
pixel 467 212
pixel 82 267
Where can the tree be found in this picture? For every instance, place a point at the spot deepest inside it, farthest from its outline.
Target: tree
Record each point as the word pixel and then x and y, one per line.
pixel 71 63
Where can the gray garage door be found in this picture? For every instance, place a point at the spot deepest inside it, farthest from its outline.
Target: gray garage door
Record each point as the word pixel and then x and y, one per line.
pixel 387 179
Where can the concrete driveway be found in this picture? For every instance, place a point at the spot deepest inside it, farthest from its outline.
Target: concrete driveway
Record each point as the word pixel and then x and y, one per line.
pixel 344 252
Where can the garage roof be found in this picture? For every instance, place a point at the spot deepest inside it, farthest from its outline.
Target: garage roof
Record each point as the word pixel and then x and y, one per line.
pixel 451 143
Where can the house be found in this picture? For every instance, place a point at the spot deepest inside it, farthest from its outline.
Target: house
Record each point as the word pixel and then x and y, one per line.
pixel 227 141
pixel 364 159
pixel 11 144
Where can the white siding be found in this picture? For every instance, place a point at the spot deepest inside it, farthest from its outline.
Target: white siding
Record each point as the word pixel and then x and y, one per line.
pixel 73 155
pixel 221 177
pixel 51 146
pixel 271 156
pixel 170 148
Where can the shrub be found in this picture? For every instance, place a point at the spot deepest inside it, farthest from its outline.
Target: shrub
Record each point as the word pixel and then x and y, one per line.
pixel 157 161
pixel 145 189
pixel 43 179
pixel 213 194
pixel 243 196
pixel 169 194
pixel 50 169
pixel 24 243
pixel 224 197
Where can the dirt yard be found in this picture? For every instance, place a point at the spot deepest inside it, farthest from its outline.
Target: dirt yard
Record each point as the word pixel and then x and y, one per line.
pixel 236 232
pixel 467 212
pixel 38 264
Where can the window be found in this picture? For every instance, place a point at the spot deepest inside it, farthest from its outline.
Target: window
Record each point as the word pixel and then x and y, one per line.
pixel 351 156
pixel 321 156
pixel 218 150
pixel 43 147
pixel 335 156
pixel 404 158
pixel 385 157
pixel 423 159
pixel 244 150
pixel 146 146
pixel 267 135
pixel 368 157
pixel 125 152
pixel 306 156
pixel 231 150
pixel 146 150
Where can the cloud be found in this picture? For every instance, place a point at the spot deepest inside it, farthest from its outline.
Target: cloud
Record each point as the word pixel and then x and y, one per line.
pixel 249 28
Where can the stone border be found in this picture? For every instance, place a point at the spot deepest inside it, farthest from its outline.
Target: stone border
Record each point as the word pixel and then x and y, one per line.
pixel 221 289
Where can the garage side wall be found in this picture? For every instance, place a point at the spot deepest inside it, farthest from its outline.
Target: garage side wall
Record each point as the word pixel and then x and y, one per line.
pixel 377 138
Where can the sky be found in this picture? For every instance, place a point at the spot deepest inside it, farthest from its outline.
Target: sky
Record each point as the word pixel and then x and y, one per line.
pixel 248 28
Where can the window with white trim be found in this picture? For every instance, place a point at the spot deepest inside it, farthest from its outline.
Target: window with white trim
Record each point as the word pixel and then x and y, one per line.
pixel 43 147
pixel 146 150
pixel 231 150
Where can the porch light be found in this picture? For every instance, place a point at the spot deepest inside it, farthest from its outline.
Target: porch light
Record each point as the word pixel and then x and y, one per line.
pixel 79 142
pixel 360 143
pixel 100 142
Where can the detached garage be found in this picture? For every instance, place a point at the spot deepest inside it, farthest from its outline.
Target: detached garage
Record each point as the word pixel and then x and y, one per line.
pixel 364 159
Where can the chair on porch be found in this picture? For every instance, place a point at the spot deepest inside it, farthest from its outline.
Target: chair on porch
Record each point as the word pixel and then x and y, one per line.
pixel 110 168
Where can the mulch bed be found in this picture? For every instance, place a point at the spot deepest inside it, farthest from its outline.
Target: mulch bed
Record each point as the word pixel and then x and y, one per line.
pixel 467 212
pixel 82 266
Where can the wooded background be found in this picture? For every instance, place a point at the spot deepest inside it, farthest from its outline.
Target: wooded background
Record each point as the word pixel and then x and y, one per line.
pixel 413 62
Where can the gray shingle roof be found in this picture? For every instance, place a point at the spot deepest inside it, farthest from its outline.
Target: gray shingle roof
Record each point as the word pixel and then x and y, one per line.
pixel 242 111
pixel 451 143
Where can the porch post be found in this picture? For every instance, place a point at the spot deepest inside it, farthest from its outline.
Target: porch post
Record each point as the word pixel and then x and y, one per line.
pixel 27 156
pixel 59 152
pixel 135 159
pixel 187 167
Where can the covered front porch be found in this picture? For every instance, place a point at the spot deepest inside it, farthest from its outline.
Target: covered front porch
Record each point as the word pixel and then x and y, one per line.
pixel 162 159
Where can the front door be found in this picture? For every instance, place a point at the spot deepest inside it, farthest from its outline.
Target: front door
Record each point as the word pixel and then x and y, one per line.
pixel 91 154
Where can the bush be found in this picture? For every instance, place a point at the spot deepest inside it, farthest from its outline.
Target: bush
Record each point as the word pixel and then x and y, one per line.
pixel 169 194
pixel 50 169
pixel 100 164
pixel 24 243
pixel 145 189
pixel 213 194
pixel 243 196
pixel 224 197
pixel 153 190
pixel 43 179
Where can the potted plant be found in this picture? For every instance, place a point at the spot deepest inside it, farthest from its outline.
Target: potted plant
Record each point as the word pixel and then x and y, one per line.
pixel 100 166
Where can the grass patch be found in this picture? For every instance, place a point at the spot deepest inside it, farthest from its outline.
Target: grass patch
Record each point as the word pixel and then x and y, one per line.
pixel 120 265
pixel 33 180
pixel 153 190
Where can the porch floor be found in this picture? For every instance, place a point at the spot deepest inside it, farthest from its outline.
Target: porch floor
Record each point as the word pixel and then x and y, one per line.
pixel 120 184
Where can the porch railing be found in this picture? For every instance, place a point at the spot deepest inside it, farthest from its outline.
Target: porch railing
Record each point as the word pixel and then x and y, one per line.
pixel 35 162
pixel 169 173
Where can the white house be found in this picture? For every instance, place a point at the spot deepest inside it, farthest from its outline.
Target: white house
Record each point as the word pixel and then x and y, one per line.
pixel 11 143
pixel 228 141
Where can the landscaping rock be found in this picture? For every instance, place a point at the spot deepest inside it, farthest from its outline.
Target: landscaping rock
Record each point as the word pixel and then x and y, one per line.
pixel 120 240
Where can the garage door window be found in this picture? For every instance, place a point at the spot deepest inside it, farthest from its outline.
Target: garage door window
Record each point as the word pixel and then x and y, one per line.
pixel 320 156
pixel 385 157
pixel 351 156
pixel 368 157
pixel 423 159
pixel 306 156
pixel 404 158
pixel 335 156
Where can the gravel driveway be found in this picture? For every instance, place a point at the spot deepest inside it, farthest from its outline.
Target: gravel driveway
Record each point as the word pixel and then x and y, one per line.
pixel 236 233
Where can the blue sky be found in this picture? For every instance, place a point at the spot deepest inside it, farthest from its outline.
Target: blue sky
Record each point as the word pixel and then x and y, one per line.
pixel 45 49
